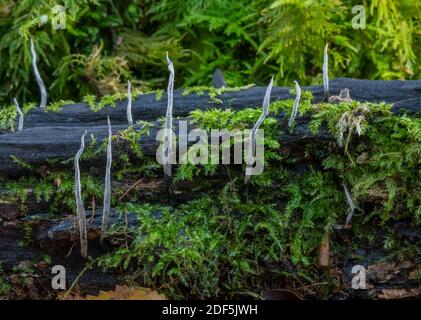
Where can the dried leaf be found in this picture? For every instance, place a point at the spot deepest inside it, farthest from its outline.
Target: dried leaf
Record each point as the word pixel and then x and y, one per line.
pixel 393 294
pixel 122 293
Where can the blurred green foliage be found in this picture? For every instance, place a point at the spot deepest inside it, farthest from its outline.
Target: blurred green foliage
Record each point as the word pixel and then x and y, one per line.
pixel 107 42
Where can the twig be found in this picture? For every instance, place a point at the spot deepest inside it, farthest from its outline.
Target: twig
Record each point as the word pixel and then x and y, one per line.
pixel 130 188
pixel 86 268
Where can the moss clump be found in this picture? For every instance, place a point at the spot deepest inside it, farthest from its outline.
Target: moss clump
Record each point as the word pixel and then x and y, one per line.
pixel 214 93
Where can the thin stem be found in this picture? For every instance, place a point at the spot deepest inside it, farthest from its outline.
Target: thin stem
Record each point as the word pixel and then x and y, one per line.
pixel 325 73
pixel 79 202
pixel 129 103
pixel 41 86
pixel 20 124
pixel 168 121
pixel 107 188
pixel 252 138
pixel 296 104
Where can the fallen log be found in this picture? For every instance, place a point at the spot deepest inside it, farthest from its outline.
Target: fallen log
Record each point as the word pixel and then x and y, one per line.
pixel 37 146
pixel 146 107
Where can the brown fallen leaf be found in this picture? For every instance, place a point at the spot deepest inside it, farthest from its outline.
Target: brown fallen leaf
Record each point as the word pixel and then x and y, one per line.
pixel 122 293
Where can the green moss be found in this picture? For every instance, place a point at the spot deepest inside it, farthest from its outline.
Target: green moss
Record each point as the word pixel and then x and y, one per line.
pixel 5 286
pixel 233 236
pixel 214 93
pixel 9 114
pixel 57 105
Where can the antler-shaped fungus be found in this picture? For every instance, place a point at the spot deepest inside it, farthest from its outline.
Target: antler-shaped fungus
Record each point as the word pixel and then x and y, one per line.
pixel 350 204
pixel 129 103
pixel 107 188
pixel 168 121
pixel 296 103
pixel 325 73
pixel 252 138
pixel 41 86
pixel 20 124
pixel 80 210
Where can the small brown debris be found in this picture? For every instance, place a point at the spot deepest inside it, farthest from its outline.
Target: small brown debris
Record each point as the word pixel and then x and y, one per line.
pixel 393 294
pixel 324 251
pixel 362 158
pixel 343 97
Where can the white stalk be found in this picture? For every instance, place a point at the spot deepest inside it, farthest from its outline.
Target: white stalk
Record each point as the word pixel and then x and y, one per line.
pixel 252 137
pixel 325 73
pixel 41 86
pixel 296 103
pixel 107 188
pixel 129 103
pixel 80 210
pixel 350 204
pixel 20 125
pixel 168 121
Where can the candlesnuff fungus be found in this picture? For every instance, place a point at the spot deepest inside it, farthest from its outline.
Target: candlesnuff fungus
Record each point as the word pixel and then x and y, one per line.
pixel 296 103
pixel 129 103
pixel 350 204
pixel 325 74
pixel 107 188
pixel 168 121
pixel 252 138
pixel 20 125
pixel 218 80
pixel 41 86
pixel 80 210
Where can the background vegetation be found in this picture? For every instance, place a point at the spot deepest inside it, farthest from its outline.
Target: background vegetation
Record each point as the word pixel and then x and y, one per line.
pixel 107 42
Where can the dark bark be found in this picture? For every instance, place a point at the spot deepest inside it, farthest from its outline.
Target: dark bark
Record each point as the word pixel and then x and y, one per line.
pixel 147 108
pixel 37 146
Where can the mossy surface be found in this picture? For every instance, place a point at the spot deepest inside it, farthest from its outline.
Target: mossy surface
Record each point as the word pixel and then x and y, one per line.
pixel 234 239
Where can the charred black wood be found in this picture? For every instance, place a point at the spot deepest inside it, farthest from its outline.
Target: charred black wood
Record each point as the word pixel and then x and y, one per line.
pixel 147 108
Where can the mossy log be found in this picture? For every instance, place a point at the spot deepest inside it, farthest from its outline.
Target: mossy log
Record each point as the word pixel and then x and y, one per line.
pixel 50 136
pixel 146 107
pixel 44 145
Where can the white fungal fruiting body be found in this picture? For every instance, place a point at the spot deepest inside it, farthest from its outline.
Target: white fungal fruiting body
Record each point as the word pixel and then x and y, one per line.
pixel 41 86
pixel 168 121
pixel 252 137
pixel 350 204
pixel 296 104
pixel 20 124
pixel 129 103
pixel 325 72
pixel 107 188
pixel 80 209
